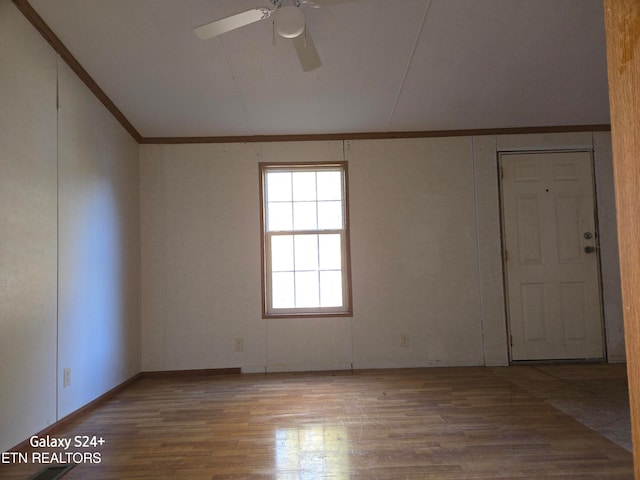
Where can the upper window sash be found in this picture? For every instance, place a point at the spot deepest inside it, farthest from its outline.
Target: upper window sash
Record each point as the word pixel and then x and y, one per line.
pixel 304 198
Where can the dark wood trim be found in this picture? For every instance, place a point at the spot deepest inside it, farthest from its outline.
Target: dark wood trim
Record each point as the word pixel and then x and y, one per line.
pixel 622 26
pixel 375 135
pixel 191 373
pixel 63 422
pixel 347 239
pixel 344 166
pixel 263 220
pixel 36 20
pixel 346 314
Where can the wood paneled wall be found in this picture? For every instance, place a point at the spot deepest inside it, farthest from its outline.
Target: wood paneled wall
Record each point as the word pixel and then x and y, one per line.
pixel 622 19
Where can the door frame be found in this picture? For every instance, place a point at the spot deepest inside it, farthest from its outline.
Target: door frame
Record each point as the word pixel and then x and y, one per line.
pixel 506 152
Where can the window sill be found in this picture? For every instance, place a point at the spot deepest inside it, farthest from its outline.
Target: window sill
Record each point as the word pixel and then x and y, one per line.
pixel 307 314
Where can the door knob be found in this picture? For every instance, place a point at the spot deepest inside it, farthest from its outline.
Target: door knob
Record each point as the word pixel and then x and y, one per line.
pixel 589 249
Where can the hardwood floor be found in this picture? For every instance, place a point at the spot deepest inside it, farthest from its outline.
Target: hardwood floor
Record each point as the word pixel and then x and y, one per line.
pixel 441 423
pixel 595 395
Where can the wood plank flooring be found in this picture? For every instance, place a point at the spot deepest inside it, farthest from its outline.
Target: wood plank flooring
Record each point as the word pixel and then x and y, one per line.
pixel 595 395
pixel 440 423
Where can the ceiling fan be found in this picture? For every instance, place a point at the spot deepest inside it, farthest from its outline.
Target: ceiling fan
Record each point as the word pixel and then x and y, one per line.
pixel 288 22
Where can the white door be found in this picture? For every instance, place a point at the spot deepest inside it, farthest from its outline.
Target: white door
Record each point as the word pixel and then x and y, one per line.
pixel 552 267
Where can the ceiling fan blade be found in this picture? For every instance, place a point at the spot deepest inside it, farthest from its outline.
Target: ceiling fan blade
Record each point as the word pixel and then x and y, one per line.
pixel 218 27
pixel 306 50
pixel 323 3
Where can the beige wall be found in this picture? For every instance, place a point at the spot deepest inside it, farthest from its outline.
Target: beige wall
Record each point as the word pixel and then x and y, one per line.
pixel 426 255
pixel 70 245
pixel 28 246
pixel 414 253
pixel 99 247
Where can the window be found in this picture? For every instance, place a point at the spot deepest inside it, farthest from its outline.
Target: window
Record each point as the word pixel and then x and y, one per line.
pixel 305 239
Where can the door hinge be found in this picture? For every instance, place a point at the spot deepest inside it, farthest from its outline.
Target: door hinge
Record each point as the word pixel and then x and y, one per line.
pixel 506 255
pixel 501 171
pixel 511 340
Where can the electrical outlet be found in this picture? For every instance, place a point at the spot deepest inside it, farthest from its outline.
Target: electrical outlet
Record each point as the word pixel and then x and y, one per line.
pixel 239 344
pixel 404 341
pixel 66 381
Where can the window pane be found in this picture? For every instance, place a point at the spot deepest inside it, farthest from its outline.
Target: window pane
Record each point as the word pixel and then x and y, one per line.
pixel 304 216
pixel 329 185
pixel 306 248
pixel 307 290
pixel 330 252
pixel 282 253
pixel 279 186
pixel 330 215
pixel 304 186
pixel 330 289
pixel 282 288
pixel 279 217
pixel 305 230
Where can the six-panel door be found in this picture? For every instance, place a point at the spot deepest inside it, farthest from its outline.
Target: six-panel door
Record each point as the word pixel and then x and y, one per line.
pixel 551 258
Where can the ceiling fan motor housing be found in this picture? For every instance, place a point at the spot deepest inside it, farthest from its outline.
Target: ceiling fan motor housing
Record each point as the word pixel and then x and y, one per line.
pixel 289 21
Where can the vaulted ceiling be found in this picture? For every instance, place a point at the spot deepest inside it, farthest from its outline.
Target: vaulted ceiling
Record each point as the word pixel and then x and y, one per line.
pixel 387 65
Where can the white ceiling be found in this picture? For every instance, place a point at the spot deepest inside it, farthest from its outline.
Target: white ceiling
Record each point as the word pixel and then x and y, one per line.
pixel 387 65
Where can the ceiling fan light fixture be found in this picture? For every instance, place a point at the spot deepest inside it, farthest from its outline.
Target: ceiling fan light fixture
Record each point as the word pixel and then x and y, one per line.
pixel 289 21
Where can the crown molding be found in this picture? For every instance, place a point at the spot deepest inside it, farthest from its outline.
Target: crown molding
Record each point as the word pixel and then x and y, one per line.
pixel 36 20
pixel 375 135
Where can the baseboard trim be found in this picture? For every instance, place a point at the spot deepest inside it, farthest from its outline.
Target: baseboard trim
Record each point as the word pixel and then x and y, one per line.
pixel 570 361
pixel 54 427
pixel 191 373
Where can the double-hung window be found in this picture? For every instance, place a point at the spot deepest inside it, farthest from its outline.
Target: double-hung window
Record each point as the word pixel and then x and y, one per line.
pixel 305 239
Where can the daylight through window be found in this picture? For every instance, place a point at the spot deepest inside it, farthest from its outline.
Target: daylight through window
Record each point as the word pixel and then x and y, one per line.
pixel 305 239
